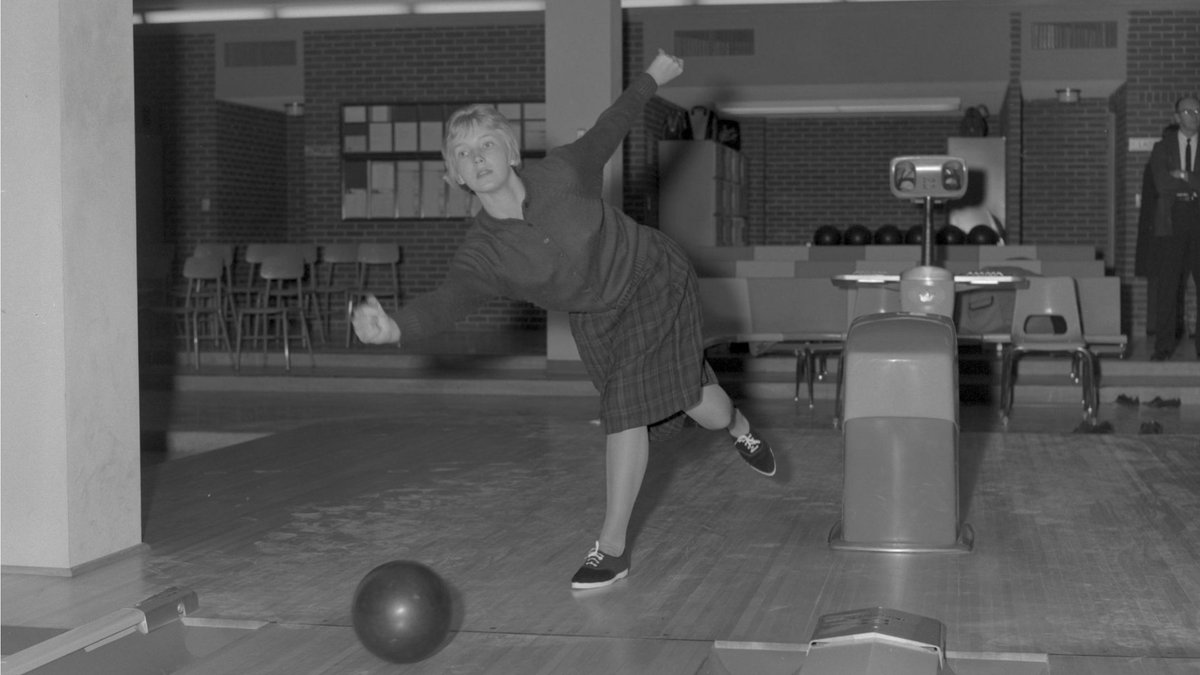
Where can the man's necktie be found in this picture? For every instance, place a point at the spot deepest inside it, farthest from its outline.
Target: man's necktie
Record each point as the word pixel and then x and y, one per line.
pixel 1187 156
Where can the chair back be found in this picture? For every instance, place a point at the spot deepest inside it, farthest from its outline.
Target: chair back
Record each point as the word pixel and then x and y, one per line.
pixel 379 254
pixel 204 275
pixel 384 257
pixel 333 256
pixel 253 256
pixel 340 253
pixel 284 265
pixel 1046 315
pixel 223 252
pixel 204 268
pixel 307 251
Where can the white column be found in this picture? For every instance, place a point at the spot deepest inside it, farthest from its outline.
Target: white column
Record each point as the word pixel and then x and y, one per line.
pixel 583 77
pixel 69 391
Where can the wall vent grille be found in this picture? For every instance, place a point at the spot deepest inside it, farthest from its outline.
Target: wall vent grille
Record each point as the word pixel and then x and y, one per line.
pixel 259 54
pixel 734 42
pixel 1075 35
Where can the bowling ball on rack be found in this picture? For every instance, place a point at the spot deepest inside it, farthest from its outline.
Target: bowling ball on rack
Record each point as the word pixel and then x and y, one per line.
pixel 827 235
pixel 401 611
pixel 889 235
pixel 982 235
pixel 950 235
pixel 915 235
pixel 857 235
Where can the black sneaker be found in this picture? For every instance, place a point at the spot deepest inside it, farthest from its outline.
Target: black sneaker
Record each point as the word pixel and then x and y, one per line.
pixel 756 452
pixel 601 569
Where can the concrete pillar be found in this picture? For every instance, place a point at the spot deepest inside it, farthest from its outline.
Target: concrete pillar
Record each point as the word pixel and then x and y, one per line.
pixel 583 77
pixel 69 391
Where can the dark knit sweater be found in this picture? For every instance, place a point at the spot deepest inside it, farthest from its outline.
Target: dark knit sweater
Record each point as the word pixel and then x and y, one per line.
pixel 572 252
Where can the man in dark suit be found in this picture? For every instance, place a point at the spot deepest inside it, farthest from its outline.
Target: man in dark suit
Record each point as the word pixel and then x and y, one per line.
pixel 1176 222
pixel 1147 254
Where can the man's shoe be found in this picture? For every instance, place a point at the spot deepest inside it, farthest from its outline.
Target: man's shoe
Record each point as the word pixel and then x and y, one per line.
pixel 601 569
pixel 1160 355
pixel 756 452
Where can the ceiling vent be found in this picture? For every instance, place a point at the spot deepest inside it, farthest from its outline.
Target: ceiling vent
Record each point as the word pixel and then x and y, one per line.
pixel 260 54
pixel 1075 35
pixel 714 43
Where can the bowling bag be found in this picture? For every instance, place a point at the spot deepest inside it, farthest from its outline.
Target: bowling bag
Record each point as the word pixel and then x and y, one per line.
pixel 982 312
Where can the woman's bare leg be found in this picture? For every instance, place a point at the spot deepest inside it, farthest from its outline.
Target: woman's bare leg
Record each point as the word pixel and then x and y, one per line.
pixel 627 453
pixel 715 411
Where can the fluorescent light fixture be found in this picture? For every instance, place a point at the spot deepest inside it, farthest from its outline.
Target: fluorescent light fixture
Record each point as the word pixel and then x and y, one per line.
pixel 762 2
pixel 478 6
pixel 335 10
pixel 202 15
pixel 643 4
pixel 843 107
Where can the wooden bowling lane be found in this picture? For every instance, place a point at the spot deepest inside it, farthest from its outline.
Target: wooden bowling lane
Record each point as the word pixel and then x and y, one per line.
pixel 280 648
pixel 1086 545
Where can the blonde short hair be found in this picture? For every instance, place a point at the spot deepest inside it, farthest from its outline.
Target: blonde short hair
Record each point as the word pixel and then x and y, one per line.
pixel 478 116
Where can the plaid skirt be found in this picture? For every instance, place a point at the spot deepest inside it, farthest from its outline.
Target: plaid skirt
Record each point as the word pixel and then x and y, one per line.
pixel 646 356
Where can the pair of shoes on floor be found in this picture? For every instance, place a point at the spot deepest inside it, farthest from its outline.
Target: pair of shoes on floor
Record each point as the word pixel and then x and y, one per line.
pixel 1160 355
pixel 1151 427
pixel 756 452
pixel 601 569
pixel 1159 402
pixel 1122 399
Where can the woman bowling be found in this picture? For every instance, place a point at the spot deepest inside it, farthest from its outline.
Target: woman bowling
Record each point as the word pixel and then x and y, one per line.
pixel 545 236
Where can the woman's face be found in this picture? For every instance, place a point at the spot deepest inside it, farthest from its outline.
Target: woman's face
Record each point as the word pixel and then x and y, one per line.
pixel 481 160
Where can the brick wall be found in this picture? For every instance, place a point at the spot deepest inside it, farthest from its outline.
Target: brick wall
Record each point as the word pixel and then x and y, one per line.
pixel 798 169
pixel 1065 172
pixel 174 79
pixel 809 172
pixel 252 175
pixel 1011 118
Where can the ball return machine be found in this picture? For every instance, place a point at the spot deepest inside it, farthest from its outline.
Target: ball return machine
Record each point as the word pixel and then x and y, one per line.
pixel 899 413
pixel 899 420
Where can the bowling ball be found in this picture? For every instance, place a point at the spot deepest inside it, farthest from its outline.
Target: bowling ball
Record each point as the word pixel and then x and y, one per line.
pixel 889 235
pixel 857 235
pixel 950 235
pixel 983 235
pixel 915 235
pixel 401 611
pixel 827 235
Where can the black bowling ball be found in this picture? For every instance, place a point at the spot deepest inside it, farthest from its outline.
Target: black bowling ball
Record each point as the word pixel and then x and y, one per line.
pixel 889 235
pixel 827 235
pixel 915 235
pixel 857 235
pixel 982 235
pixel 401 611
pixel 949 235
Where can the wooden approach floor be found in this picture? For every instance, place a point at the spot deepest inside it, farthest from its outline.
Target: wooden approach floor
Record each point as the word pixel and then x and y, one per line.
pixel 1087 546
